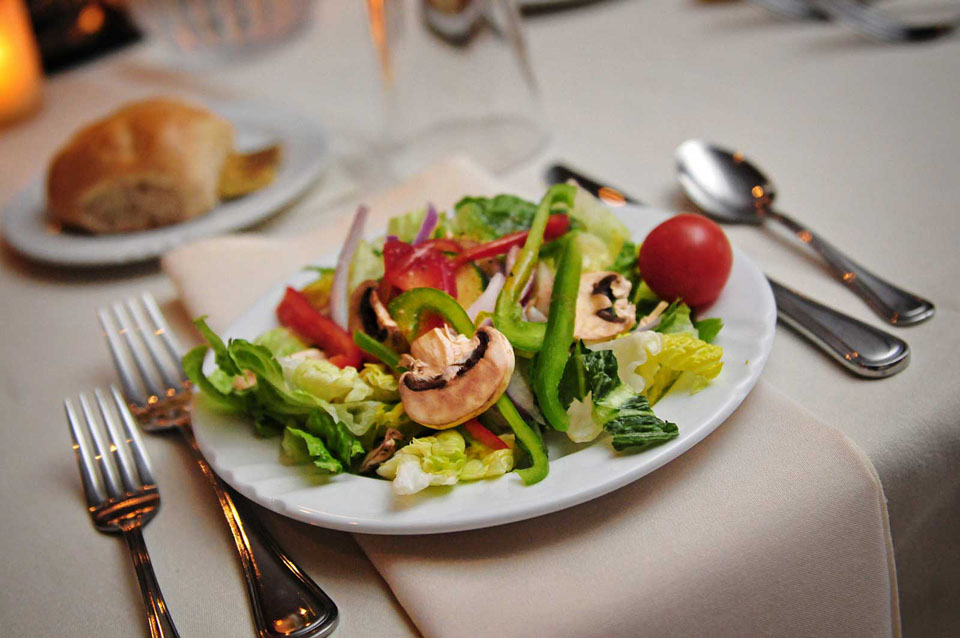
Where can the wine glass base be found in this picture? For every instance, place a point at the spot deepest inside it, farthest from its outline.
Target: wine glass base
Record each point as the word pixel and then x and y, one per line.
pixel 497 143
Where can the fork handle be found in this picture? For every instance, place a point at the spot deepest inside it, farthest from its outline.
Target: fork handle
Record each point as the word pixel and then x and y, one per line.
pixel 286 602
pixel 158 618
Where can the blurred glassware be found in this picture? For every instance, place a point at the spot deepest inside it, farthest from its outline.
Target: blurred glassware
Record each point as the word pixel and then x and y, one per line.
pixel 457 79
pixel 20 74
pixel 204 33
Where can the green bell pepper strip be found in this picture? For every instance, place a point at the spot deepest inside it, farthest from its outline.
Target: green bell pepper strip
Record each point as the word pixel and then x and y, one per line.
pixel 373 347
pixel 508 313
pixel 559 335
pixel 406 310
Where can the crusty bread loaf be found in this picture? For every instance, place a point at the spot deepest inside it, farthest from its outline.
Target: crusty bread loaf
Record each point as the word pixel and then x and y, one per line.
pixel 150 164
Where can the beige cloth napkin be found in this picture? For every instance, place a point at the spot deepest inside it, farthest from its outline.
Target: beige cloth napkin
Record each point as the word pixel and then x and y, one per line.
pixel 775 525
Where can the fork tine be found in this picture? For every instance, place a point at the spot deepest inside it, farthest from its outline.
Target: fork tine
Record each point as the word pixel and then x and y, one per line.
pixel 100 450
pixel 117 443
pixel 163 329
pixel 136 349
pixel 92 487
pixel 148 334
pixel 121 358
pixel 137 451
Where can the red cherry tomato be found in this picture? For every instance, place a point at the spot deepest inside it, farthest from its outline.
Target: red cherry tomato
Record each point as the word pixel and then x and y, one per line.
pixel 687 257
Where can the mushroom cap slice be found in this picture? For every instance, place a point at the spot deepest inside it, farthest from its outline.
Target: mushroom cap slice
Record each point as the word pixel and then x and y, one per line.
pixel 368 314
pixel 452 378
pixel 603 306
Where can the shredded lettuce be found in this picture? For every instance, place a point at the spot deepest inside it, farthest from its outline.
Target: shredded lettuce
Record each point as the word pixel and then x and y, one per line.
pixel 598 401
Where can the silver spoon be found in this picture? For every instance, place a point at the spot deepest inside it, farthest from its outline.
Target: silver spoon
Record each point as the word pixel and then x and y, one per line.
pixel 730 189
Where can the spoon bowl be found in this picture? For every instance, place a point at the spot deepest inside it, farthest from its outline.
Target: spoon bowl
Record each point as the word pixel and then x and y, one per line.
pixel 728 188
pixel 723 184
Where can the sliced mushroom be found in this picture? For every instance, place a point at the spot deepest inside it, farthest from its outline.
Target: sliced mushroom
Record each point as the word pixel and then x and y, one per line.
pixel 603 306
pixel 367 313
pixel 383 451
pixel 452 378
pixel 652 319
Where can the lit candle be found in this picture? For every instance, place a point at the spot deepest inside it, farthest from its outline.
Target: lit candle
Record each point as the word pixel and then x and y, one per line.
pixel 20 73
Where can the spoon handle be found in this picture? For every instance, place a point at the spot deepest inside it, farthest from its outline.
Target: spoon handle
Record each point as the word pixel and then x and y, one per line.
pixel 895 305
pixel 864 350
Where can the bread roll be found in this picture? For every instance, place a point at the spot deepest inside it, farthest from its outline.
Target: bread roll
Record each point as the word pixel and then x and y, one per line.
pixel 150 164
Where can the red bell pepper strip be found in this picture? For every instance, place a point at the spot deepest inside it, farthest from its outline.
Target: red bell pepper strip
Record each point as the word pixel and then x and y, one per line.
pixel 476 429
pixel 406 267
pixel 557 225
pixel 296 313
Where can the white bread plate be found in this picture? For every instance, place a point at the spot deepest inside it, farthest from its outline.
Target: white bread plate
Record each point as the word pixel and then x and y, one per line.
pixel 28 229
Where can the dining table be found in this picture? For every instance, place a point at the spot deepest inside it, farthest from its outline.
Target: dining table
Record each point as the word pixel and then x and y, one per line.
pixel 862 139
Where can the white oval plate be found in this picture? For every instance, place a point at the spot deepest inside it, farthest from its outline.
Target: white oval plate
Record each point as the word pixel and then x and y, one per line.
pixel 368 505
pixel 305 154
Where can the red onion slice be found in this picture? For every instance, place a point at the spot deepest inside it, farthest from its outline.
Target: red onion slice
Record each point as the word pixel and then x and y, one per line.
pixel 338 291
pixel 428 225
pixel 487 300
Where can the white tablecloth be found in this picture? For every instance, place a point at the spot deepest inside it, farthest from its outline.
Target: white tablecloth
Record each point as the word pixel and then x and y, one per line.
pixel 860 138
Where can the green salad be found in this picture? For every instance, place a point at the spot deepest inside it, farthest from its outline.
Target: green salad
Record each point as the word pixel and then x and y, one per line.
pixel 451 348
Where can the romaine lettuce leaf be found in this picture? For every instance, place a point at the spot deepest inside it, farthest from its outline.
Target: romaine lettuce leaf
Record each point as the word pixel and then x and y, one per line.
pixel 650 362
pixel 485 219
pixel 598 400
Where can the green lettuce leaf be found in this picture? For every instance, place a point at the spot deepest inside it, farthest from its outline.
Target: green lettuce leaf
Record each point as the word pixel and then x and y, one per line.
pixel 322 379
pixel 382 383
pixel 303 447
pixel 431 460
pixel 367 263
pixel 709 328
pixel 483 462
pixel 485 219
pixel 676 320
pixel 338 438
pixel 405 227
pixel 281 342
pixel 597 219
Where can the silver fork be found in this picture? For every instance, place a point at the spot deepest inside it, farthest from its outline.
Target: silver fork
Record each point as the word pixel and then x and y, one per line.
pixel 286 602
pixel 124 504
